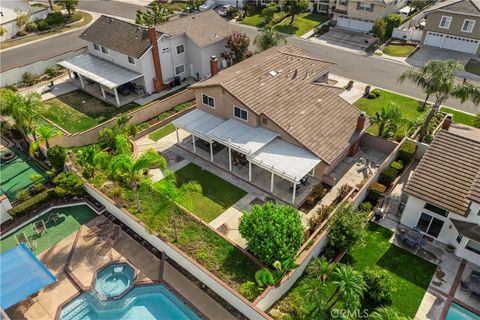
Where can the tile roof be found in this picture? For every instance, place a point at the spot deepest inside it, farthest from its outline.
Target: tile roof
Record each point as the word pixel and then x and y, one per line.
pixel 467 229
pixel 448 174
pixel 202 28
pixel 460 6
pixel 118 35
pixel 279 83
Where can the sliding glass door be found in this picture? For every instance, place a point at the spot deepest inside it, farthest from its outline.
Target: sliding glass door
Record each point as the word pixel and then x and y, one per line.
pixel 430 225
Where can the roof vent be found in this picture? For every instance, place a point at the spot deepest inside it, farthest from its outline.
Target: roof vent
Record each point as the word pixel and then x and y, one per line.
pixel 273 73
pixel 295 74
pixel 110 20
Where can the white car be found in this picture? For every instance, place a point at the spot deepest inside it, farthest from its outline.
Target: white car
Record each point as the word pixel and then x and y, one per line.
pixel 209 4
pixel 222 11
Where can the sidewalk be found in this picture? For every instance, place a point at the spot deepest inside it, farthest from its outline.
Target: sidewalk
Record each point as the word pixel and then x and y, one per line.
pixel 353 94
pixel 61 86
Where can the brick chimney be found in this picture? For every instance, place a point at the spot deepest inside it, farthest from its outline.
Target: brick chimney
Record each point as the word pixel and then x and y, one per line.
pixel 213 65
pixel 158 80
pixel 447 122
pixel 360 125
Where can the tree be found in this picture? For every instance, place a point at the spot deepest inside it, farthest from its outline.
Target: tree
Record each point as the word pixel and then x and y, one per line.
pixel 294 7
pixel 237 46
pixel 50 3
pixel 386 313
pixel 157 14
pixel 57 156
pixel 192 5
pixel 379 29
pixel 22 19
pixel 379 285
pixel 44 134
pixel 387 119
pixel 68 183
pixel 392 21
pixel 283 226
pixel 418 4
pixel 268 13
pixel 320 268
pixel 437 79
pixel 69 5
pixel 347 228
pixel 268 38
pixel 350 287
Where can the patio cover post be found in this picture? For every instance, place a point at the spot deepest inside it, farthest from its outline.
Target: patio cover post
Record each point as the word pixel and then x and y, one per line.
pixel 249 170
pixel 103 91
pixel 230 159
pixel 69 74
pixel 211 151
pixel 178 137
pixel 294 191
pixel 194 146
pixel 271 182
pixel 116 97
pixel 81 80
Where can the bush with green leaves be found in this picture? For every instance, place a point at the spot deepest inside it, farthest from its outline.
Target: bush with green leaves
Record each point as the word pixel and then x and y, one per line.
pixel 387 176
pixel 347 228
pixel 397 165
pixel 273 232
pixel 57 156
pixel 31 27
pixel 365 206
pixel 379 287
pixel 21 33
pixel 54 18
pixel 53 71
pixel 249 290
pixel 378 187
pixel 372 96
pixel 476 121
pixel 392 21
pixel 68 183
pixel 33 202
pixel 43 25
pixel 29 79
pixel 407 152
pixel 377 92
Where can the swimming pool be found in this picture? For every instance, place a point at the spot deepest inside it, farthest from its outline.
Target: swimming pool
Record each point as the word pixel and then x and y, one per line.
pixel 457 312
pixel 114 280
pixel 149 302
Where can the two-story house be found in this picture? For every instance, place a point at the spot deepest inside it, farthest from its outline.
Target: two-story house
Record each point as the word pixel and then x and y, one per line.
pixel 360 15
pixel 444 191
pixel 454 25
pixel 124 60
pixel 274 120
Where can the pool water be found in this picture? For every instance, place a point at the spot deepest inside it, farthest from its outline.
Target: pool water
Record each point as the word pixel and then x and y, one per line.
pixel 456 312
pixel 114 280
pixel 148 302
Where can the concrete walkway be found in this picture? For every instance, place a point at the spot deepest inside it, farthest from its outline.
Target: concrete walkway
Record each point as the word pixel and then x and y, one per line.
pixel 61 86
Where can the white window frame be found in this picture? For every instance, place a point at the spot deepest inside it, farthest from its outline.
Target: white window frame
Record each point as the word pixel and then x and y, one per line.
pixel 175 69
pixel 463 25
pixel 132 60
pixel 208 97
pixel 363 6
pixel 241 109
pixel 449 19
pixel 180 45
pixel 97 47
pixel 432 216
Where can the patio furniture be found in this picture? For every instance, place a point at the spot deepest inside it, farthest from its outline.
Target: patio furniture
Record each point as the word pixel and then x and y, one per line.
pixel 53 217
pixel 412 238
pixel 39 227
pixel 22 238
pixel 104 234
pixel 464 286
pixel 304 180
pixel 104 222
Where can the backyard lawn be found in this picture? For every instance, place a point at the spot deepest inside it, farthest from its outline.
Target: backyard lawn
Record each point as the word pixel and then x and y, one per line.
pixel 70 220
pixel 460 117
pixel 473 66
pixel 217 194
pixel 302 23
pixel 78 111
pixel 397 50
pixel 162 132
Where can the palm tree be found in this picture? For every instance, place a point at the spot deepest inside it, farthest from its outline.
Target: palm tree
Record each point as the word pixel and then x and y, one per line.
pixel 44 133
pixel 387 118
pixel 268 38
pixel 350 286
pixel 316 296
pixel 437 79
pixel 386 313
pixel 125 168
pixel 320 268
pixel 172 194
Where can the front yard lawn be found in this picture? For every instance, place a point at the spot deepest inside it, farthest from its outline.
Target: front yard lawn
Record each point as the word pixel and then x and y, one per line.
pixel 473 66
pixel 162 132
pixel 397 50
pixel 302 23
pixel 460 117
pixel 255 19
pixel 217 194
pixel 78 111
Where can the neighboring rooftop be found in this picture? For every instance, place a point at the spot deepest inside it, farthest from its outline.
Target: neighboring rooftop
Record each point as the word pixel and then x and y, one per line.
pixel 118 35
pixel 467 229
pixel 279 83
pixel 449 173
pixel 202 28
pixel 471 7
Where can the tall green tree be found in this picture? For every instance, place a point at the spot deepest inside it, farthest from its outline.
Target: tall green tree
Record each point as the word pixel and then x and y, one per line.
pixel 437 79
pixel 268 38
pixel 192 5
pixel 294 7
pixel 268 12
pixel 392 21
pixel 387 119
pixel 44 134
pixel 350 287
pixel 157 14
pixel 69 5
pixel 320 268
pixel 347 228
pixel 379 29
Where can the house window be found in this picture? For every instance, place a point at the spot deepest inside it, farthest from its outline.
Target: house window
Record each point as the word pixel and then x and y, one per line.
pixel 208 101
pixel 364 6
pixel 430 225
pixel 437 210
pixel 131 60
pixel 179 69
pixel 180 49
pixel 240 113
pixel 104 50
pixel 445 22
pixel 264 121
pixel 459 238
pixel 96 47
pixel 468 25
pixel 473 246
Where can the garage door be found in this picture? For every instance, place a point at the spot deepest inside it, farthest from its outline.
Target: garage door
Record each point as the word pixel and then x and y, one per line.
pixel 354 24
pixel 433 39
pixel 343 23
pixel 451 42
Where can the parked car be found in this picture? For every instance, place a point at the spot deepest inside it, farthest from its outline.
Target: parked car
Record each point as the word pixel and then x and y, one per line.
pixel 223 10
pixel 209 4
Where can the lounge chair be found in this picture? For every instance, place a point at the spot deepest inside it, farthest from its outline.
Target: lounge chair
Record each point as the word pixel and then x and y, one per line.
pixel 22 238
pixel 39 227
pixel 53 217
pixel 464 286
pixel 104 222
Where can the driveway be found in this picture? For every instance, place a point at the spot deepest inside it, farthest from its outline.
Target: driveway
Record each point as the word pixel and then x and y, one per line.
pixel 345 38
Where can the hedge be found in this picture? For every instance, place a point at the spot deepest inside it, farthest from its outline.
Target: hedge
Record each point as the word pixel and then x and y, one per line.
pixel 407 152
pixel 387 176
pixel 397 165
pixel 33 202
pixel 378 187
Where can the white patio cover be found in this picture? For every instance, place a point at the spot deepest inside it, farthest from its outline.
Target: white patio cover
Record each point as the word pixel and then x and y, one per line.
pixel 199 123
pixel 99 70
pixel 242 137
pixel 285 160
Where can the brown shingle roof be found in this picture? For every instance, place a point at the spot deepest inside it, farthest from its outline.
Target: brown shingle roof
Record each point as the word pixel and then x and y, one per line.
pixel 117 35
pixel 202 28
pixel 447 174
pixel 279 84
pixel 460 6
pixel 467 229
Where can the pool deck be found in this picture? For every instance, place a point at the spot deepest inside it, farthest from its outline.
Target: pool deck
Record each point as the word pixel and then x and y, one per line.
pixel 84 263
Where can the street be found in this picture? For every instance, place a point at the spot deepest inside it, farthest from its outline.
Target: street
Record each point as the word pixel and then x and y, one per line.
pixel 368 69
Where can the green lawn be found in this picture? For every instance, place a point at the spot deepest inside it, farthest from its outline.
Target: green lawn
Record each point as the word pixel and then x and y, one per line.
pixel 460 117
pixel 302 23
pixel 411 274
pixel 397 50
pixel 71 218
pixel 473 66
pixel 411 108
pixel 162 132
pixel 78 111
pixel 255 19
pixel 217 194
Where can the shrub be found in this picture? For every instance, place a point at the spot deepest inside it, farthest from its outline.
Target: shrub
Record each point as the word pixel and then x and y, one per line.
pixel 376 92
pixel 392 21
pixel 52 71
pixel 378 187
pixel 57 156
pixel 249 290
pixel 379 287
pixel 2 31
pixel 322 213
pixel 182 106
pixel 347 228
pixel 54 18
pixel 476 121
pixel 387 176
pixel 32 203
pixel 31 27
pixel 365 206
pixel 43 25
pixel 318 192
pixel 68 184
pixel 283 226
pixel 397 165
pixel 23 195
pixel 21 33
pixel 406 153
pixel 372 95
pixel 29 79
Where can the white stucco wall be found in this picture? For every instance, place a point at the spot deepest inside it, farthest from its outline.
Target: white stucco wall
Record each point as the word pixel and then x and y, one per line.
pixel 5 205
pixel 215 49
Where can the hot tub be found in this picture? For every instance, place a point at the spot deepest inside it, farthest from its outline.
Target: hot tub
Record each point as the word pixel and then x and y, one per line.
pixel 114 280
